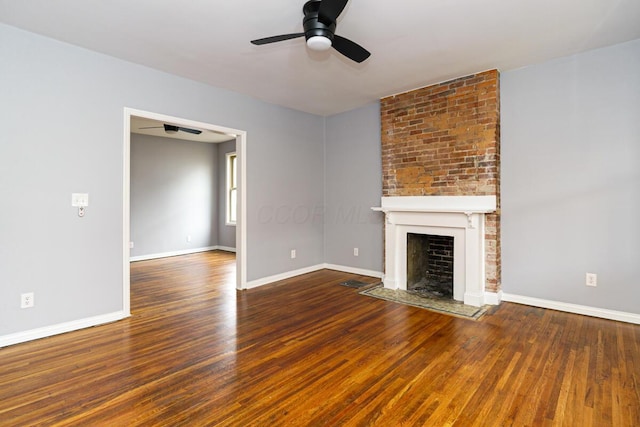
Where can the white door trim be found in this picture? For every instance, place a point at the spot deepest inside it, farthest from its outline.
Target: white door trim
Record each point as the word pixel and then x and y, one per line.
pixel 241 234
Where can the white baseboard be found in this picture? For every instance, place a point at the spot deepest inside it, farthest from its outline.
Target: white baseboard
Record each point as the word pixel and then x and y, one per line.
pixel 60 328
pixel 493 298
pixel 355 270
pixel 603 313
pixel 224 248
pixel 283 276
pixel 177 253
pixel 289 274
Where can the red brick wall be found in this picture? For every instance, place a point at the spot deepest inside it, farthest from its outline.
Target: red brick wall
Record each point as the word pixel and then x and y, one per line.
pixel 444 140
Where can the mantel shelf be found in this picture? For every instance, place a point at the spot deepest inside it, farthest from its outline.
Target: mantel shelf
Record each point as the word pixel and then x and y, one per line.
pixel 435 210
pixel 467 205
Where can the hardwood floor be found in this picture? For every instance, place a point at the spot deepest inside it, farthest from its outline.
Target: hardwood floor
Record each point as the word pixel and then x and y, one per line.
pixel 308 352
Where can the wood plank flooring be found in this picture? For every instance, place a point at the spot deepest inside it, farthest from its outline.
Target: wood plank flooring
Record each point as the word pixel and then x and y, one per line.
pixel 308 352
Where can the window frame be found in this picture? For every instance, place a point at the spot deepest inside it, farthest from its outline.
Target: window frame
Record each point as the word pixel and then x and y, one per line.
pixel 231 187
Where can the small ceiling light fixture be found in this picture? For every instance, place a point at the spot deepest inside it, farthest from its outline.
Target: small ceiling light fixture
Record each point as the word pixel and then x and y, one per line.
pixel 319 43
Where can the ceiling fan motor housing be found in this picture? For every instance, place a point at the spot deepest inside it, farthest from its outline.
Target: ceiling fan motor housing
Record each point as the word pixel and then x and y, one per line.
pixel 313 27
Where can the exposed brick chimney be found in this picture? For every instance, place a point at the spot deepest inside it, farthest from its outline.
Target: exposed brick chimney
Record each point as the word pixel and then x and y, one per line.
pixel 444 140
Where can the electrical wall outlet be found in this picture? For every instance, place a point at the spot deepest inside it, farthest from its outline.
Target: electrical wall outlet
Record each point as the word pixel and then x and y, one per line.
pixel 293 253
pixel 130 245
pixel 355 251
pixel 188 238
pixel 26 300
pixel 592 279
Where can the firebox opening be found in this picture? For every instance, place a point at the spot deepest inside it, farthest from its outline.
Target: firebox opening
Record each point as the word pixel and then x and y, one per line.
pixel 430 265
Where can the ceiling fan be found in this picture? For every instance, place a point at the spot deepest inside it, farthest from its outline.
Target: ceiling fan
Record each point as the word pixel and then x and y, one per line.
pixel 319 25
pixel 174 129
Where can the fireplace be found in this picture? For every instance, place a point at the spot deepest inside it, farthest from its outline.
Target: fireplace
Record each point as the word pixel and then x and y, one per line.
pixel 430 265
pixel 444 141
pixel 460 218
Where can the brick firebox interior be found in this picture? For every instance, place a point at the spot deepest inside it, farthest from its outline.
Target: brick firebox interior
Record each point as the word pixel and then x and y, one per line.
pixel 444 140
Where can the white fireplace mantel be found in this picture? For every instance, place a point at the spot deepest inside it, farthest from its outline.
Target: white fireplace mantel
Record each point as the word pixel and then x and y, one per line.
pixel 460 204
pixel 461 217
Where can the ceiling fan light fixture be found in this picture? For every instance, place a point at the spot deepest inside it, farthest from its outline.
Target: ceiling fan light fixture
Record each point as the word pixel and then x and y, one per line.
pixel 319 43
pixel 319 24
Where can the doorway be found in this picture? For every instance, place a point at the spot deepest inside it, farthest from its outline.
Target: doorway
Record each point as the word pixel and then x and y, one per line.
pixel 240 138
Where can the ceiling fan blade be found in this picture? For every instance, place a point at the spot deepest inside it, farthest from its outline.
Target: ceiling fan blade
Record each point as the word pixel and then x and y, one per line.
pixel 330 10
pixel 173 128
pixel 193 131
pixel 351 50
pixel 274 39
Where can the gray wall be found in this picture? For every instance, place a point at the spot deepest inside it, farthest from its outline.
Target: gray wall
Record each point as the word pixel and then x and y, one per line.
pixel 570 178
pixel 174 189
pixel 226 233
pixel 62 132
pixel 353 184
pixel 287 196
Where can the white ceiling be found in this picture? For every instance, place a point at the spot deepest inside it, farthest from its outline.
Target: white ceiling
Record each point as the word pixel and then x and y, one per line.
pixel 413 43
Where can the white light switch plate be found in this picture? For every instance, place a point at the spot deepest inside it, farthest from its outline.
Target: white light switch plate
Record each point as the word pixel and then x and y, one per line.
pixel 79 199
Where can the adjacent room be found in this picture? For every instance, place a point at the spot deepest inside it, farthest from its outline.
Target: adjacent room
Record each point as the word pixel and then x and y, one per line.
pixel 182 190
